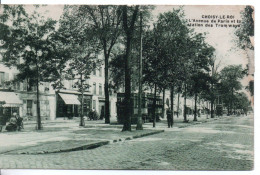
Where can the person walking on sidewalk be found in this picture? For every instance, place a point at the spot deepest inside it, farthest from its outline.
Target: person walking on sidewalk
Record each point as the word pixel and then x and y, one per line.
pixel 169 118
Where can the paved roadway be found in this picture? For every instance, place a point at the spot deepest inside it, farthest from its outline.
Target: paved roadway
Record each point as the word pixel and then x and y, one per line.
pixel 225 144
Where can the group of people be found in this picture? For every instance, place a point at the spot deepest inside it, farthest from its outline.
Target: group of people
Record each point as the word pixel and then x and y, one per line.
pixel 15 123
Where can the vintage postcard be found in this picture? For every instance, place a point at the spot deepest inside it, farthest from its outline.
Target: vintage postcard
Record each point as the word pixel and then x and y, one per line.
pixel 120 87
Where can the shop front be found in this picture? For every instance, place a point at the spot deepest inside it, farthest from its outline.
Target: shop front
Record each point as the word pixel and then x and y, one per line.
pixel 10 104
pixel 68 105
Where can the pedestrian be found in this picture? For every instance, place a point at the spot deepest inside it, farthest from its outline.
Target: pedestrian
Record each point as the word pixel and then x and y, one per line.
pixel 19 121
pixel 12 126
pixel 169 118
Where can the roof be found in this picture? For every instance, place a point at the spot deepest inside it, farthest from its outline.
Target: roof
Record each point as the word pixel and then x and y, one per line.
pixel 70 99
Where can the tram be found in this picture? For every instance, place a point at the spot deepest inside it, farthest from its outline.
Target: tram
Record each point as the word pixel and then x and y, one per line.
pixel 147 107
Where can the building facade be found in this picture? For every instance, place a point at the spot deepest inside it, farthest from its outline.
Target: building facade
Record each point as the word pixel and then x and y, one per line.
pixel 20 97
pixel 53 103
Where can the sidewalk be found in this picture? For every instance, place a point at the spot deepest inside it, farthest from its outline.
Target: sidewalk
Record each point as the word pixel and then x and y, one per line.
pixel 66 135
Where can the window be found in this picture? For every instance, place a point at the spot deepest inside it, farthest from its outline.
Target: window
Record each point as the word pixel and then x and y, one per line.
pixel 94 72
pixel 94 88
pixel 100 89
pixel 100 71
pixel 29 107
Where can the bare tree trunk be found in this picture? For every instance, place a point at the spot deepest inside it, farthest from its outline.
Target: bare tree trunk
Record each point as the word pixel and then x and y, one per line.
pixel 178 105
pixel 139 125
pixel 228 106
pixel 154 105
pixel 172 103
pixel 232 102
pixel 39 124
pixel 82 102
pixel 107 110
pixel 128 107
pixel 163 107
pixel 129 36
pixel 212 108
pixel 195 110
pixel 185 107
pixel 207 112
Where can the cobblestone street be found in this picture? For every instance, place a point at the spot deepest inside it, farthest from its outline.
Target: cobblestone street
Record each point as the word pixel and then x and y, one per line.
pixel 225 144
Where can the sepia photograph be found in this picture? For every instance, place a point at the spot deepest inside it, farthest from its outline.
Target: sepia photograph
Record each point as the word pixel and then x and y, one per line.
pixel 127 87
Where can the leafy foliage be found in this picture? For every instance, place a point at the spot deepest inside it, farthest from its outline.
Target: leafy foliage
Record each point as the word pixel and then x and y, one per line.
pixel 247 29
pixel 230 83
pixel 26 44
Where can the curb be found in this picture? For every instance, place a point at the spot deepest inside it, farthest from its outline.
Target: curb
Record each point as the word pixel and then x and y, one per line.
pixel 93 145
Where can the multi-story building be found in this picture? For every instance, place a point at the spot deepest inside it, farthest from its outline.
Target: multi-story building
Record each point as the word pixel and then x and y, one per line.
pixel 94 97
pixel 20 97
pixel 97 83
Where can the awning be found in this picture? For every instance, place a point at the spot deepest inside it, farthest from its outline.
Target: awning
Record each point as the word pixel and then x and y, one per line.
pixel 70 99
pixel 10 99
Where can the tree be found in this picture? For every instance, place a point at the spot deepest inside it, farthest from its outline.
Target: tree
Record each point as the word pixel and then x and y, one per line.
pixel 173 36
pixel 246 31
pixel 80 68
pixel 153 70
pixel 245 41
pixel 117 71
pixel 105 22
pixel 26 37
pixel 230 80
pixel 128 27
pixel 63 49
pixel 241 102
pixel 199 78
pixel 83 51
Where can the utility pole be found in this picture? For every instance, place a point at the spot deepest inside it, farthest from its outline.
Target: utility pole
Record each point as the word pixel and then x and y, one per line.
pixel 139 125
